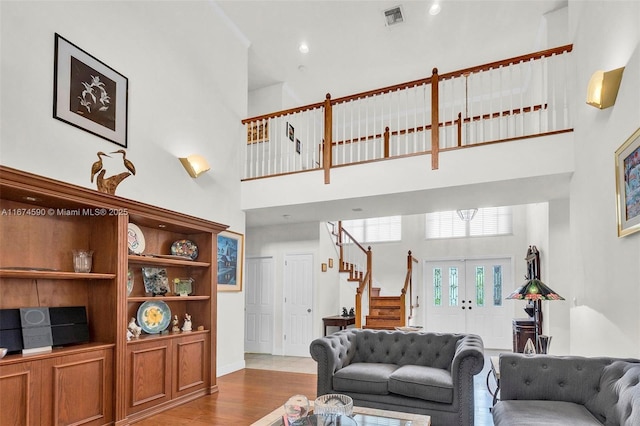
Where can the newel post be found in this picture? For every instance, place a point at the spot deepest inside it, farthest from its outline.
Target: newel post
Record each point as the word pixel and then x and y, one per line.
pixel 328 139
pixel 435 120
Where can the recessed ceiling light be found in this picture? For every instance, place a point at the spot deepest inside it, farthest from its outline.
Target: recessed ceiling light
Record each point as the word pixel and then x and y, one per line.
pixel 303 48
pixel 434 9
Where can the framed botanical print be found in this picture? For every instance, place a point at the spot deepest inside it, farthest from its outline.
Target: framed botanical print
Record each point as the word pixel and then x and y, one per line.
pixel 88 94
pixel 230 261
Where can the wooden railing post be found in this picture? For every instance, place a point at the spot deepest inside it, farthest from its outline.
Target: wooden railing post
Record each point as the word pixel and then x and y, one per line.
pixel 369 272
pixel 435 120
pixel 328 139
pixel 386 142
pixel 459 129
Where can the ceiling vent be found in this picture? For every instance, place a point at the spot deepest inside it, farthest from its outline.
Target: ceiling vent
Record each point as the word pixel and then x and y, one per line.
pixel 393 16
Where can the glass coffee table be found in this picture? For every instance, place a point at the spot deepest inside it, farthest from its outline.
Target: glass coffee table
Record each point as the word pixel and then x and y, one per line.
pixel 362 415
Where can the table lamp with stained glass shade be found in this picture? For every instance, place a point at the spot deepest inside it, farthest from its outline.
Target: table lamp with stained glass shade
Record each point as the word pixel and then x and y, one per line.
pixel 535 290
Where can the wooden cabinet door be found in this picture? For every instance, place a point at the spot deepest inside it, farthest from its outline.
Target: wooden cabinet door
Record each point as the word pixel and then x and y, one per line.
pixel 20 393
pixel 149 374
pixel 191 364
pixel 77 389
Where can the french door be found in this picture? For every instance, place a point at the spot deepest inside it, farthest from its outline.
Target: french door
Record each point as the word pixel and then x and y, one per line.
pixel 467 296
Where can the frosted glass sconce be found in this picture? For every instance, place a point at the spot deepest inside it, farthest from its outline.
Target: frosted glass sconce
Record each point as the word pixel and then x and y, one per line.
pixel 195 165
pixel 603 88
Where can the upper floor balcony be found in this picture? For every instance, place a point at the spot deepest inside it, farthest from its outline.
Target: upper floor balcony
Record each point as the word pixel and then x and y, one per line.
pixel 478 110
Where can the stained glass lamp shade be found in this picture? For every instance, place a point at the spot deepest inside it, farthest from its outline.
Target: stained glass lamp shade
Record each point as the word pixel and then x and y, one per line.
pixel 534 290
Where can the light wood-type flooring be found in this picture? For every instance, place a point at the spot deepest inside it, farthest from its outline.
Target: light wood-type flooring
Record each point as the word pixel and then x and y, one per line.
pixel 244 397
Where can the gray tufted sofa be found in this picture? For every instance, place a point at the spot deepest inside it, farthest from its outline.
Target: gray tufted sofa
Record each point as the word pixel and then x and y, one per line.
pixel 569 390
pixel 414 372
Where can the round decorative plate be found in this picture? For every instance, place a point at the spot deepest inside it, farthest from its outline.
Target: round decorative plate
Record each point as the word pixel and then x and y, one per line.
pixel 154 316
pixel 129 281
pixel 135 239
pixel 185 248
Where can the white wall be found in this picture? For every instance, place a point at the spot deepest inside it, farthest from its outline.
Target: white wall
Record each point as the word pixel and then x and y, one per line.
pixel 187 94
pixel 277 242
pixel 605 319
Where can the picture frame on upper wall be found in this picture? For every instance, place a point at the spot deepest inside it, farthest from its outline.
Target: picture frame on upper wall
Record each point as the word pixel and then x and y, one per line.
pixel 628 185
pixel 230 261
pixel 88 94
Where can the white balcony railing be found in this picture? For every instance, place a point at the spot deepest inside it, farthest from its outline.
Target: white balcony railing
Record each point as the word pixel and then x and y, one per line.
pixel 511 99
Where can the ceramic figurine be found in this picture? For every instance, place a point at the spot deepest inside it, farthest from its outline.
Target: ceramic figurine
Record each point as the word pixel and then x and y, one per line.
pixel 344 312
pixel 129 335
pixel 176 327
pixel 134 328
pixel 187 323
pixel 352 312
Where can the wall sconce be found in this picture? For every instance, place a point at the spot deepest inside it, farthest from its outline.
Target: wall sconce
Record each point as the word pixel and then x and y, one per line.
pixel 603 88
pixel 324 267
pixel 330 263
pixel 195 165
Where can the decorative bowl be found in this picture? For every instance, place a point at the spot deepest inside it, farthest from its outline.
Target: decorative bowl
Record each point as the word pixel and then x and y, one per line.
pixel 333 403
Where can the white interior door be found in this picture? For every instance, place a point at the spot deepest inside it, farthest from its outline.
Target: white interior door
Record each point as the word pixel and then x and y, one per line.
pixel 298 304
pixel 259 289
pixel 467 296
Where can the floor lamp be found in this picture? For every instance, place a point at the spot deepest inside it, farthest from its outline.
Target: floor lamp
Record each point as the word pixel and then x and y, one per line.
pixel 536 291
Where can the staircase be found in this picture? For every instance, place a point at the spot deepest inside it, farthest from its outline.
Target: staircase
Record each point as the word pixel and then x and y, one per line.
pixel 384 312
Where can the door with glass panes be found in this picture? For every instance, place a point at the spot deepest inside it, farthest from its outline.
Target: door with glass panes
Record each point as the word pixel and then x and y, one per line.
pixel 467 296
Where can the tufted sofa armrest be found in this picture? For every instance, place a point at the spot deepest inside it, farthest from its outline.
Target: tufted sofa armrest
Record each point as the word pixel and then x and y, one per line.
pixel 332 353
pixel 469 355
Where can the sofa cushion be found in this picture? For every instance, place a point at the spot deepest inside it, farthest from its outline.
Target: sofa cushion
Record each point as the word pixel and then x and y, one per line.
pixel 542 413
pixel 364 378
pixel 428 383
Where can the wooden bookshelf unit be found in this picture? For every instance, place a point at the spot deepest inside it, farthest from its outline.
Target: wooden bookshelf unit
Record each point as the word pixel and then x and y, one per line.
pixel 108 380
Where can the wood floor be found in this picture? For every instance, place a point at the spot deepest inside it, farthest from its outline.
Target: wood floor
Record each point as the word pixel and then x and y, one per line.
pixel 244 397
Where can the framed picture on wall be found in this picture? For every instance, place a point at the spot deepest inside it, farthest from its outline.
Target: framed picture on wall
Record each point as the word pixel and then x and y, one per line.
pixel 258 132
pixel 628 185
pixel 88 94
pixel 290 132
pixel 230 261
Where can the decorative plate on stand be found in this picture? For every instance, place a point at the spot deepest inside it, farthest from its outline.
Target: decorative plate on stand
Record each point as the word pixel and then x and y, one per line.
pixel 185 248
pixel 129 282
pixel 154 316
pixel 135 239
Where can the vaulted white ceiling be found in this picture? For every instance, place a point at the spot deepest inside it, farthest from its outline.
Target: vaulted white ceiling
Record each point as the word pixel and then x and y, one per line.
pixel 352 50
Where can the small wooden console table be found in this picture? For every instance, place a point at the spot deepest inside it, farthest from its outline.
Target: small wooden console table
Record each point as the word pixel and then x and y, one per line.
pixel 337 321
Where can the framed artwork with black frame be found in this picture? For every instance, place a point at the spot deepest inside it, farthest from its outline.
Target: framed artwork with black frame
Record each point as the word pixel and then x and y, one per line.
pixel 628 185
pixel 89 94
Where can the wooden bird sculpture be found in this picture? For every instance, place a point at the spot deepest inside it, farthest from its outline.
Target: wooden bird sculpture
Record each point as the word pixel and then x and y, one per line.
pixel 109 185
pixel 97 166
pixel 128 164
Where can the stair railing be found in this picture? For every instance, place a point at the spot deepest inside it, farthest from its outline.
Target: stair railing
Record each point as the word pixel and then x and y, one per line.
pixel 408 287
pixel 357 262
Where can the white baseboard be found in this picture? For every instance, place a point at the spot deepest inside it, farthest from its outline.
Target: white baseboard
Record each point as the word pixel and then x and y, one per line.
pixel 230 368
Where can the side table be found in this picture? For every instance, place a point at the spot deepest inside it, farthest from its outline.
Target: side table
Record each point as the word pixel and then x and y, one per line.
pixel 337 321
pixel 495 372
